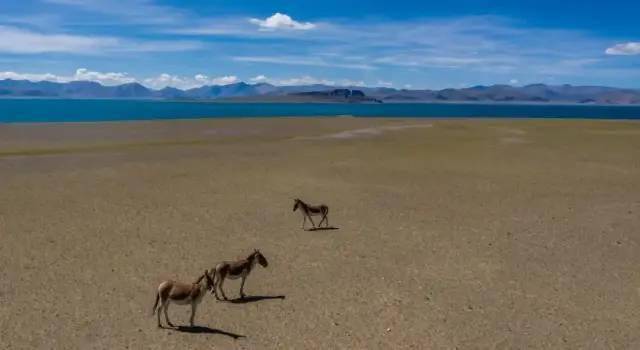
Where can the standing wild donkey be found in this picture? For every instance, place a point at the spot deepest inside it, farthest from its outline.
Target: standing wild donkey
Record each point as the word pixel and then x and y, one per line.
pixel 182 294
pixel 234 270
pixel 312 210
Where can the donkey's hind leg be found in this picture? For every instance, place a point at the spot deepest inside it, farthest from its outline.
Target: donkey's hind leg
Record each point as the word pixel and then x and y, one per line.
pixel 325 220
pixel 166 314
pixel 159 311
pixel 220 284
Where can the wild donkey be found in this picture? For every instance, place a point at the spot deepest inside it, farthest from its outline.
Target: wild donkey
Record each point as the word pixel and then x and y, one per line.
pixel 312 210
pixel 182 294
pixel 234 270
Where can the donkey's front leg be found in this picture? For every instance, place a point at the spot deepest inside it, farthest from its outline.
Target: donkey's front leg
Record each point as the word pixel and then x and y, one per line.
pixel 312 223
pixel 304 221
pixel 215 292
pixel 244 278
pixel 215 286
pixel 194 306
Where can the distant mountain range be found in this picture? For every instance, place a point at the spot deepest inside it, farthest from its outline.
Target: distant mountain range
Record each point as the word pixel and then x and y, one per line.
pixel 263 92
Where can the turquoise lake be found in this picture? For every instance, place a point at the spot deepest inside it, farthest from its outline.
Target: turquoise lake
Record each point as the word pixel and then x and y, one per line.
pixel 58 110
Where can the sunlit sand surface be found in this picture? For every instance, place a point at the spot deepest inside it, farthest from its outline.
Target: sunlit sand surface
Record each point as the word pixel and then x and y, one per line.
pixel 475 234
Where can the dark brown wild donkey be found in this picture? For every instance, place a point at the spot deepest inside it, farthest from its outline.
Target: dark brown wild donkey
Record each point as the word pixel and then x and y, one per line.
pixel 234 270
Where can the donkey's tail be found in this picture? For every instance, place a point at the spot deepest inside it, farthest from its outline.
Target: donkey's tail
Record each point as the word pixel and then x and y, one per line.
pixel 155 306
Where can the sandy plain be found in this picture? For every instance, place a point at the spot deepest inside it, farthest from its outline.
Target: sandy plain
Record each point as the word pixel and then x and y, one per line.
pixel 453 234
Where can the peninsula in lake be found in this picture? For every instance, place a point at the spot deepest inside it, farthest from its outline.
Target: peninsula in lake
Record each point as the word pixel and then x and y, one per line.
pixel 263 92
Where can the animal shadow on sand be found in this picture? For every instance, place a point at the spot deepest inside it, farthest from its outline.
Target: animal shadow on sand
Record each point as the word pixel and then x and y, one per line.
pixel 326 228
pixel 205 330
pixel 254 298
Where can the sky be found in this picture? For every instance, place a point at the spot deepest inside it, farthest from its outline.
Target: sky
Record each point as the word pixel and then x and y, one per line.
pixel 402 44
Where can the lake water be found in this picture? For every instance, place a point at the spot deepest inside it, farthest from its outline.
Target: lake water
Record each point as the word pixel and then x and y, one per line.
pixel 56 110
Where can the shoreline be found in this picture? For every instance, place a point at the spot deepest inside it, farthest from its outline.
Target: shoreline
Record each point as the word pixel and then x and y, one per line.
pixel 231 101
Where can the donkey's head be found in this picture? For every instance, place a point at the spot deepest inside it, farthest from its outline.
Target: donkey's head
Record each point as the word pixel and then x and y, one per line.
pixel 261 259
pixel 296 204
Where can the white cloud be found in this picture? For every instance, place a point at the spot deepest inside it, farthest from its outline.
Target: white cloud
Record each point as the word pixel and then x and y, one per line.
pixel 305 80
pixel 32 76
pixel 226 80
pixel 15 40
pixel 383 83
pixel 281 21
pixel 110 78
pixel 163 80
pixel 258 79
pixel 514 81
pixel 83 74
pixel 630 48
pixel 301 61
pixel 169 80
pixel 117 78
pixel 347 82
pixel 19 41
pixel 132 11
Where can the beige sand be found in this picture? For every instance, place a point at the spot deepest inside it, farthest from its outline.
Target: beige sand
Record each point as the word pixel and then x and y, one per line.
pixel 462 234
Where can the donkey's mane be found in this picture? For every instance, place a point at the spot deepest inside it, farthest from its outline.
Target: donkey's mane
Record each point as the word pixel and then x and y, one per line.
pixel 199 279
pixel 253 255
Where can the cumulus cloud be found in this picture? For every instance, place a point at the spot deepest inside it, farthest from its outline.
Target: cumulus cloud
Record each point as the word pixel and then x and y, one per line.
pixel 226 80
pixel 258 79
pixel 117 78
pixel 83 74
pixel 30 76
pixel 305 80
pixel 630 48
pixel 281 21
pixel 110 78
pixel 164 80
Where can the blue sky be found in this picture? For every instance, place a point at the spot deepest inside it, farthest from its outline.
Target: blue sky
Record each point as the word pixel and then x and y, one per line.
pixel 402 44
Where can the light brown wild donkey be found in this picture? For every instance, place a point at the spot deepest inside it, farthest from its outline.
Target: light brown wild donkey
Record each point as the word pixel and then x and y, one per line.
pixel 234 270
pixel 312 210
pixel 182 294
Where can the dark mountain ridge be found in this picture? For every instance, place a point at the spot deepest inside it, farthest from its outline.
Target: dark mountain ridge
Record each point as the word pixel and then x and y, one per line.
pixel 537 93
